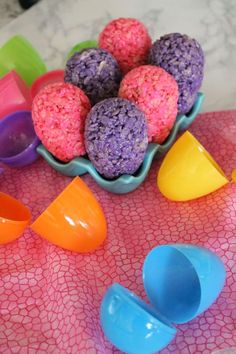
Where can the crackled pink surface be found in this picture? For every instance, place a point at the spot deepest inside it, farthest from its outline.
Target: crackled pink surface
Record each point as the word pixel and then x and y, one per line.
pixel 156 93
pixel 49 298
pixel 59 111
pixel 128 40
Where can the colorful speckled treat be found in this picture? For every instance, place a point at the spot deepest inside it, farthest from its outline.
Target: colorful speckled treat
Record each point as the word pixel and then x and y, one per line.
pixel 116 137
pixel 156 94
pixel 59 111
pixel 182 57
pixel 127 39
pixel 96 72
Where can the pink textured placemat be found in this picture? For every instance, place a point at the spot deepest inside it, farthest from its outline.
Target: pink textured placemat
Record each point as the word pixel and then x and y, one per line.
pixel 49 298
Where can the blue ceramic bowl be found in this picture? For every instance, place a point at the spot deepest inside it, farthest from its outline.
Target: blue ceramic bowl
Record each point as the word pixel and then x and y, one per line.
pixel 125 183
pixel 131 325
pixel 182 280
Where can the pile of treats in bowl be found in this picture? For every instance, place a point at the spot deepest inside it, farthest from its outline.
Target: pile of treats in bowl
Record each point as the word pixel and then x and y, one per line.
pixel 118 97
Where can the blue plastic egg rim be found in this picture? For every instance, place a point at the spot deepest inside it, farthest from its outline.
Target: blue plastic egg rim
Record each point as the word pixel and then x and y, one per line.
pixel 125 183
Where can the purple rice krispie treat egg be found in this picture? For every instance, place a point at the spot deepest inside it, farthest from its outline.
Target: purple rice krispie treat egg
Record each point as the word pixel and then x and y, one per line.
pixel 182 57
pixel 116 137
pixel 96 72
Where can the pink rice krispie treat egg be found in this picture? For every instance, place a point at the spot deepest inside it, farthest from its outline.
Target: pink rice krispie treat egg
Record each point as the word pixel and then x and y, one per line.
pixel 59 111
pixel 156 93
pixel 127 39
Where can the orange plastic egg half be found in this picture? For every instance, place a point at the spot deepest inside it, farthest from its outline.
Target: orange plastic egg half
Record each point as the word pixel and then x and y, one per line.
pixel 74 221
pixel 14 217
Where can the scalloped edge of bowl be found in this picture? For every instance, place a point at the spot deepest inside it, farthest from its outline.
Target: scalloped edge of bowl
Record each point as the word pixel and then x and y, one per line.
pixel 125 183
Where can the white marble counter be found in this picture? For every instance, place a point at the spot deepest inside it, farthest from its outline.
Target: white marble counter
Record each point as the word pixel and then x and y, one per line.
pixel 53 26
pixel 9 9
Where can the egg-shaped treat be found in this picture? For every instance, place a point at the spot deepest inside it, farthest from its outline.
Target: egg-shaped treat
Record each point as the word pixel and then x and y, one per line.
pixel 182 57
pixel 156 93
pixel 128 40
pixel 96 72
pixel 59 111
pixel 116 137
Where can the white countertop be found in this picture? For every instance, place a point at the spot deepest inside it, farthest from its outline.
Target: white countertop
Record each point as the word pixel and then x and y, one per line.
pixel 54 26
pixel 8 11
